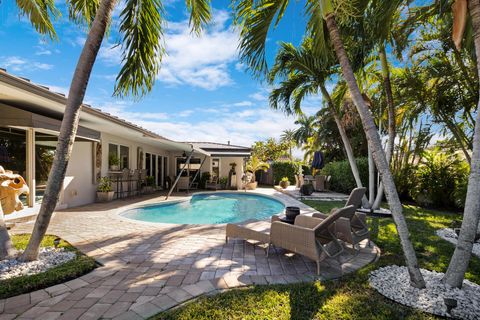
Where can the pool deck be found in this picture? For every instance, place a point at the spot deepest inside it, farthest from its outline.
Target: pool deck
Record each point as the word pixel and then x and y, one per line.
pixel 151 267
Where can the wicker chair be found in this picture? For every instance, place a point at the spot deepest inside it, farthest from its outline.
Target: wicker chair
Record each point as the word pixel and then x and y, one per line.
pixel 309 236
pixel 352 229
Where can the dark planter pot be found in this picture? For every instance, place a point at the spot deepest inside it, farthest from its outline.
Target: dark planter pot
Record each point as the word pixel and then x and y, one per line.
pixel 306 189
pixel 292 212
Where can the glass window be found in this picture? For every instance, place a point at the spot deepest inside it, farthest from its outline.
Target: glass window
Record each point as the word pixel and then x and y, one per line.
pixel 216 167
pixel 121 153
pixel 124 158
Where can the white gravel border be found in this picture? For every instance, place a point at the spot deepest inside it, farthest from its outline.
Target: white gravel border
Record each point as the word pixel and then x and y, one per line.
pixel 394 283
pixel 47 258
pixel 449 235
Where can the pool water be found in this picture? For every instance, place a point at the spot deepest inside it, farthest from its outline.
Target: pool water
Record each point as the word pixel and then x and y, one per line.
pixel 209 208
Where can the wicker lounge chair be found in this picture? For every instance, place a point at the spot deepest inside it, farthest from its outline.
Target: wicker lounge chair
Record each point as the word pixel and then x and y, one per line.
pixel 308 236
pixel 352 229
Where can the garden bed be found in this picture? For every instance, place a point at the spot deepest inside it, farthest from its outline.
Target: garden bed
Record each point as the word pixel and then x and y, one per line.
pixel 52 269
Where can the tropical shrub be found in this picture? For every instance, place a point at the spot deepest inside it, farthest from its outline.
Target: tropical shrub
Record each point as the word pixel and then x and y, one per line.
pixel 440 180
pixel 342 177
pixel 405 181
pixel 282 169
pixel 105 185
pixel 203 179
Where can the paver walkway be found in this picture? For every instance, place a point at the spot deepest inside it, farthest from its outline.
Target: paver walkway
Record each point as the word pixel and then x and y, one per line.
pixel 148 268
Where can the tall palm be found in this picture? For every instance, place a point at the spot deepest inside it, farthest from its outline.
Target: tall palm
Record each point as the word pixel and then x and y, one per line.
pixel 142 29
pixel 288 137
pixel 302 73
pixel 40 14
pixel 305 130
pixel 255 19
pixel 471 216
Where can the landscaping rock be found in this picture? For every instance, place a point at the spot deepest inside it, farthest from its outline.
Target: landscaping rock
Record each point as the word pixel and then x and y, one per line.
pixel 451 236
pixel 394 283
pixel 48 258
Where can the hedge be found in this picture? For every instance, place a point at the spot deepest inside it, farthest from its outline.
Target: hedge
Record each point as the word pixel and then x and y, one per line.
pixel 283 169
pixel 342 177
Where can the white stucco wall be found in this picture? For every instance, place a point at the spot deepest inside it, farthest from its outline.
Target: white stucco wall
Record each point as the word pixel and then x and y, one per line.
pixel 78 187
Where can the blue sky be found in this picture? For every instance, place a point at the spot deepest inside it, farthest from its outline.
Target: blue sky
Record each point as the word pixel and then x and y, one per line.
pixel 202 92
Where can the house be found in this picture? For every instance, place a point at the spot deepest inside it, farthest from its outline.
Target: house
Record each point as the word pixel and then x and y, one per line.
pixel 30 120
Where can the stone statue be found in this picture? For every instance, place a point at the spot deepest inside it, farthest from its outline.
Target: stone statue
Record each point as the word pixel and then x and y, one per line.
pixel 11 187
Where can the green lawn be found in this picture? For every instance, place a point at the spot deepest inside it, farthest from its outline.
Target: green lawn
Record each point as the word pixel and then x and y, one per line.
pixel 64 272
pixel 348 298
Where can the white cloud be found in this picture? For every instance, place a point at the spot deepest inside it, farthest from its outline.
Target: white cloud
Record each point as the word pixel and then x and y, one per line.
pixel 200 61
pixel 110 54
pixel 43 52
pixel 18 64
pixel 244 103
pixel 259 96
pixel 242 127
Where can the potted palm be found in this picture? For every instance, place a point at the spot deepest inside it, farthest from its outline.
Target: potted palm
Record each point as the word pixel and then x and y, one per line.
pixel 114 162
pixel 105 191
pixel 284 183
pixel 254 165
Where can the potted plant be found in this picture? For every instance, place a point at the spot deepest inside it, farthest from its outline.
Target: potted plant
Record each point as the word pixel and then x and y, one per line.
pixel 150 184
pixel 284 183
pixel 253 165
pixel 105 191
pixel 223 182
pixel 114 162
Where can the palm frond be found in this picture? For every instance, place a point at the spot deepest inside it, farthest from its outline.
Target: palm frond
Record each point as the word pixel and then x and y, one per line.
pixel 40 14
pixel 255 19
pixel 200 14
pixel 142 29
pixel 82 11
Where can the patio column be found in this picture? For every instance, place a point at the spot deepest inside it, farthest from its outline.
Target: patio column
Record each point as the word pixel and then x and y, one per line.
pixel 30 165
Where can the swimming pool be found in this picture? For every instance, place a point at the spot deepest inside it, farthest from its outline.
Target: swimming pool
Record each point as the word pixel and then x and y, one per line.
pixel 209 208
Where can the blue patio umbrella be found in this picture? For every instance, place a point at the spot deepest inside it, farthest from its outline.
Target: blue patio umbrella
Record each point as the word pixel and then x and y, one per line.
pixel 318 160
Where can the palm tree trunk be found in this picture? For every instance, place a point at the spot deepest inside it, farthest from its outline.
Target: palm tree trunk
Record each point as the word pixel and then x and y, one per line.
pixel 373 138
pixel 69 126
pixel 463 250
pixel 391 118
pixel 6 247
pixel 346 142
pixel 371 178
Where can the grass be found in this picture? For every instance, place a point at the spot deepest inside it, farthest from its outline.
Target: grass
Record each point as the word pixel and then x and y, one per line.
pixel 64 272
pixel 348 298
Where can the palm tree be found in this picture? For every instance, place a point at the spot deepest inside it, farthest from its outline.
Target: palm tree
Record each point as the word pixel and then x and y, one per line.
pixel 255 19
pixel 40 14
pixel 288 138
pixel 255 164
pixel 142 28
pixel 303 74
pixel 306 129
pixel 471 216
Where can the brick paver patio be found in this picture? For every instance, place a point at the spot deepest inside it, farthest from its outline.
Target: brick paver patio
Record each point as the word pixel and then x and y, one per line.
pixel 148 268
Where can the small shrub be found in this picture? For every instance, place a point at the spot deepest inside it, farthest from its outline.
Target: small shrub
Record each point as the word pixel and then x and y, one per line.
pixel 105 185
pixel 441 180
pixel 150 181
pixel 203 180
pixel 342 176
pixel 285 179
pixel 223 181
